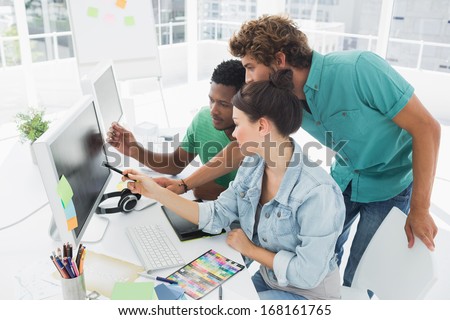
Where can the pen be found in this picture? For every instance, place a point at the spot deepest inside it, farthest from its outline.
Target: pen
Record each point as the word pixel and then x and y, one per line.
pixel 77 259
pixel 56 265
pixel 68 269
pixel 220 292
pixel 62 269
pixel 146 275
pixel 107 165
pixel 80 269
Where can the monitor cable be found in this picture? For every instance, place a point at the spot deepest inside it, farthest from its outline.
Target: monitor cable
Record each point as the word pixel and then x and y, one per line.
pixel 24 218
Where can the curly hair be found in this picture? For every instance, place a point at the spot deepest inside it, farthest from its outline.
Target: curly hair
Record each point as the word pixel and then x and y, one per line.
pixel 229 73
pixel 262 38
pixel 273 98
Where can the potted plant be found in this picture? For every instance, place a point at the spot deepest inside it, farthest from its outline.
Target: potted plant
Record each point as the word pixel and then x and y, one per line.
pixel 31 126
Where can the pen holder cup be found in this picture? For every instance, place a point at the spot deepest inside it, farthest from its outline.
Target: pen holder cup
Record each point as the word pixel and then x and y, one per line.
pixel 74 288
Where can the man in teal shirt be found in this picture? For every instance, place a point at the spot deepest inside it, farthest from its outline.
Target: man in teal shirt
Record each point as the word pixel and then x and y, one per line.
pixel 357 104
pixel 209 132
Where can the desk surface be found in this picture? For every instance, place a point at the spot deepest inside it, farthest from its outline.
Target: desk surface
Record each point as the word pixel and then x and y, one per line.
pixel 28 242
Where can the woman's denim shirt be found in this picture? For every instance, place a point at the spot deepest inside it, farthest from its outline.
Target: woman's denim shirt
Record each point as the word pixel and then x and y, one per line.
pixel 301 224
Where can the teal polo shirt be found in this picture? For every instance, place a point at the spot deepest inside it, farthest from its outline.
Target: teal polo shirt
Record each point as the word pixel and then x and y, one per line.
pixel 353 97
pixel 204 140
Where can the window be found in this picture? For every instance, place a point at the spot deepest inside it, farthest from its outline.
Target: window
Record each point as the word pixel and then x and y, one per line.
pixel 227 16
pixel 317 17
pixel 170 20
pixel 45 17
pixel 9 40
pixel 430 47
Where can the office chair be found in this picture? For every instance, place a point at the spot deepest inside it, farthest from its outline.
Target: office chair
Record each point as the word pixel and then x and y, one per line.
pixel 389 268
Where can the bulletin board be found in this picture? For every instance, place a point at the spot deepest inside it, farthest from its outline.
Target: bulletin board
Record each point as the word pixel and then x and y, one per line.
pixel 119 30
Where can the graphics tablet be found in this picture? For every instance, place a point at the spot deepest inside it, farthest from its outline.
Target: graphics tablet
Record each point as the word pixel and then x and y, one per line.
pixel 184 229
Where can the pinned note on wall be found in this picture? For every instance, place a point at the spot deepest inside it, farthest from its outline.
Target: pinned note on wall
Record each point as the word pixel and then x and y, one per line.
pixel 121 4
pixel 110 18
pixel 92 12
pixel 129 21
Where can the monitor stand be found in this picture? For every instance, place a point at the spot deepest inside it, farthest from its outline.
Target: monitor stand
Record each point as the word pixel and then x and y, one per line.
pixel 94 232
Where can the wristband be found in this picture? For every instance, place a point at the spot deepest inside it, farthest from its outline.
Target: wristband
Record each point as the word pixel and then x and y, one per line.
pixel 186 188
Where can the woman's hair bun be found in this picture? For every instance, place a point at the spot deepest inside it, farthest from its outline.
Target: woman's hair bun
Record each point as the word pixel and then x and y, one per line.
pixel 282 79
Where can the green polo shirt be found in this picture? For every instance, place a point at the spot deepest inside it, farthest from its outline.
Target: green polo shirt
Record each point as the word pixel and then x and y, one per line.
pixel 206 141
pixel 353 97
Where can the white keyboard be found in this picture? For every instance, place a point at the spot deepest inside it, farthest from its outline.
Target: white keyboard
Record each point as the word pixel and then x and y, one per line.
pixel 154 247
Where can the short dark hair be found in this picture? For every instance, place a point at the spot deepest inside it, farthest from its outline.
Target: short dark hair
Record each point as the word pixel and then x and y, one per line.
pixel 273 98
pixel 229 73
pixel 262 38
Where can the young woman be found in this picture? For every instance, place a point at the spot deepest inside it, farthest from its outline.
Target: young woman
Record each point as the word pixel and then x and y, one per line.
pixel 290 214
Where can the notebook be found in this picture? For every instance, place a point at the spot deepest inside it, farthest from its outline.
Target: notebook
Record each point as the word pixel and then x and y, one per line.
pixel 184 229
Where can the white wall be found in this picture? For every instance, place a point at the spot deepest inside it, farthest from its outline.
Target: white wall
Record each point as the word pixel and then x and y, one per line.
pixel 210 54
pixel 433 90
pixel 13 94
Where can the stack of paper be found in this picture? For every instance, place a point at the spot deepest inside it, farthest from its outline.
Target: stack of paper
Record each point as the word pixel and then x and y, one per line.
pixel 102 272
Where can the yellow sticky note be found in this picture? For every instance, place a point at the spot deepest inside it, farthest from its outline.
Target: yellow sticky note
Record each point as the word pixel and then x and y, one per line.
pixel 72 223
pixel 92 12
pixel 121 185
pixel 121 4
pixel 129 21
pixel 64 191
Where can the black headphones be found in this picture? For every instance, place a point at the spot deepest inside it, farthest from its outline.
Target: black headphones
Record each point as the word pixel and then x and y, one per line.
pixel 127 202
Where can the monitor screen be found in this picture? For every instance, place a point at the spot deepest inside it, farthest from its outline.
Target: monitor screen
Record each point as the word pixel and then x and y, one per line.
pixel 101 83
pixel 78 155
pixel 73 148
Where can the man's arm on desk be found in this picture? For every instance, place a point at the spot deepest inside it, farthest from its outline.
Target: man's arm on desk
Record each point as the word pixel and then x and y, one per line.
pixel 224 162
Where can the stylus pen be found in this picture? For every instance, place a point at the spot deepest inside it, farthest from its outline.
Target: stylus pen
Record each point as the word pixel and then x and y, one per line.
pixel 105 164
pixel 157 278
pixel 220 293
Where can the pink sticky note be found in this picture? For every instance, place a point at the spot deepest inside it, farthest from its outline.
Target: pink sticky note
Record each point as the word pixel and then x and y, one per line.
pixel 110 18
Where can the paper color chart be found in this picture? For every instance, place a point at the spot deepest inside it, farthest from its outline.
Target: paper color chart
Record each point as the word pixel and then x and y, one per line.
pixel 202 275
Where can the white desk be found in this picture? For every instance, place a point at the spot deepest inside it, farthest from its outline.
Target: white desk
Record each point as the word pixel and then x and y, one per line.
pixel 28 241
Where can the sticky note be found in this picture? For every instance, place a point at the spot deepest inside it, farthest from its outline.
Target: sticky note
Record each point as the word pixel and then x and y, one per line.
pixel 72 223
pixel 64 190
pixel 121 4
pixel 121 185
pixel 110 18
pixel 129 21
pixel 70 210
pixel 134 291
pixel 92 12
pixel 168 292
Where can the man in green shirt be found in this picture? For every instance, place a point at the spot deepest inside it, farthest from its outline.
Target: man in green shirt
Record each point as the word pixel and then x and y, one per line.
pixel 209 132
pixel 357 104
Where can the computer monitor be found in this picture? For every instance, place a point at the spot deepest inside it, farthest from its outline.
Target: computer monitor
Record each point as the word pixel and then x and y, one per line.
pixel 73 148
pixel 101 84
